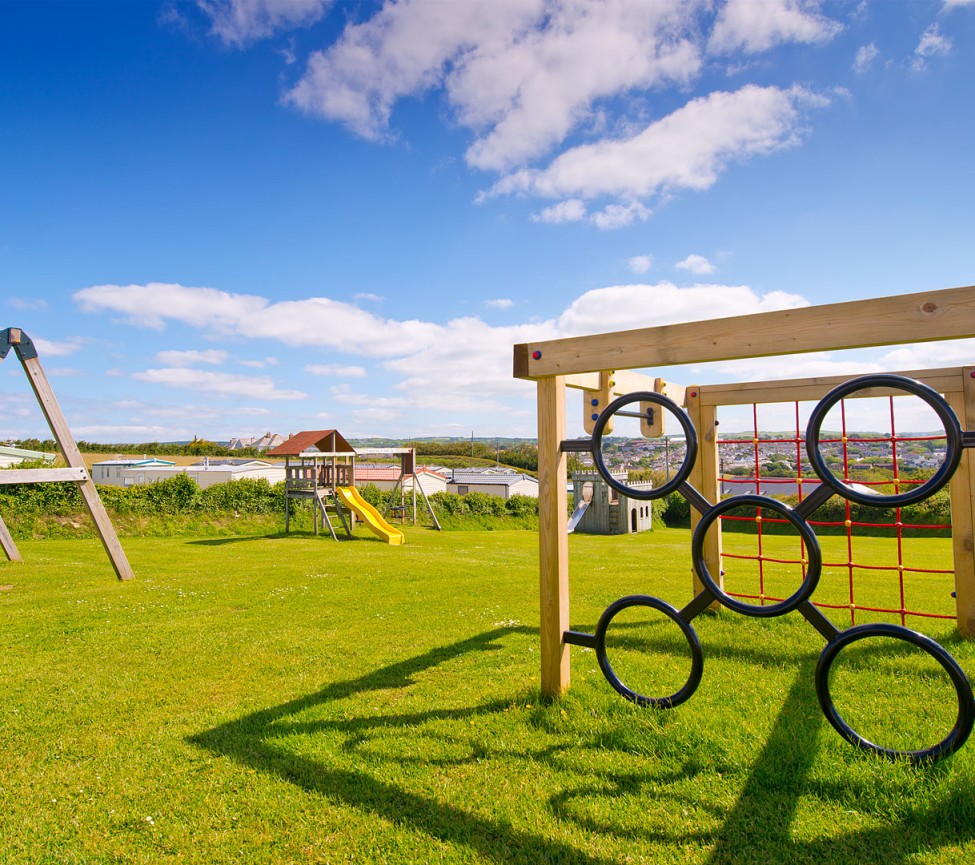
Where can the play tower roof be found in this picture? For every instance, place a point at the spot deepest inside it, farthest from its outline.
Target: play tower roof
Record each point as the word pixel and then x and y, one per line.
pixel 324 440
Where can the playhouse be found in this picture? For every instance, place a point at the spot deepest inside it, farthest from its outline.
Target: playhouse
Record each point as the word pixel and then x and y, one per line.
pixel 599 509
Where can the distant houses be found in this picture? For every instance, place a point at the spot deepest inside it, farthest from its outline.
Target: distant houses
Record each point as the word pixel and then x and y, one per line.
pixel 261 443
pixel 122 472
pixel 504 483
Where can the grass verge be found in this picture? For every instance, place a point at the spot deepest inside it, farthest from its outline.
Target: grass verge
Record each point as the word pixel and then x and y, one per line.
pixel 279 700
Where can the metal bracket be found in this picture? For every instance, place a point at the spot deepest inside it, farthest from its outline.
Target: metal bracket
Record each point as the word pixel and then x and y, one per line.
pixel 576 446
pixel 14 337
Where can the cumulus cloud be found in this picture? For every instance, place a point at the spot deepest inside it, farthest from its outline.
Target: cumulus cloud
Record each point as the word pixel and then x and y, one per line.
pixel 697 264
pixel 24 303
pixel 55 348
pixel 261 387
pixel 464 363
pixel 521 75
pixel 571 210
pixel 336 370
pixel 688 149
pixel 499 303
pixel 757 26
pixel 620 215
pixel 239 22
pixel 640 263
pixel 866 54
pixel 932 44
pixel 191 357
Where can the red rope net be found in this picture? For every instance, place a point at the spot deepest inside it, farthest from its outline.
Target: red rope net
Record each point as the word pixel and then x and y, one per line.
pixel 768 547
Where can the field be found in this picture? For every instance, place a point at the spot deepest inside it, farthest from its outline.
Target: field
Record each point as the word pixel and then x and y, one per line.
pixel 293 700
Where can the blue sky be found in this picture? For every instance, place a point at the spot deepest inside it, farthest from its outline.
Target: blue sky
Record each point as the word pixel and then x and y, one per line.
pixel 222 218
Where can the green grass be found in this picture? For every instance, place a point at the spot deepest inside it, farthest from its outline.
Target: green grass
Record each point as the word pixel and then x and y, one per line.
pixel 291 700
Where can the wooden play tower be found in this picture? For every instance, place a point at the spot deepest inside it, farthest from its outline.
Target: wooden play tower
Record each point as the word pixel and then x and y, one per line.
pixel 317 463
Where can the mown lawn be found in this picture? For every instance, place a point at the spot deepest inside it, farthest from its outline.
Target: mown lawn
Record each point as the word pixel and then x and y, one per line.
pixel 277 700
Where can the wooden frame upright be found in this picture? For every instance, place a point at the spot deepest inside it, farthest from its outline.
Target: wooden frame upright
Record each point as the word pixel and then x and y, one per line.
pixel 76 471
pixel 554 364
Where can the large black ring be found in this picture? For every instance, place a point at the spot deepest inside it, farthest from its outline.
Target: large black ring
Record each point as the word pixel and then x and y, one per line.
pixel 697 655
pixel 898 382
pixel 690 436
pixel 966 702
pixel 813 570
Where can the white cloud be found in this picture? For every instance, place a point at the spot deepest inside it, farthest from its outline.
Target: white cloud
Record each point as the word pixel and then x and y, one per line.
pixel 757 26
pixel 571 210
pixel 688 149
pixel 521 75
pixel 336 370
pixel 499 303
pixel 620 215
pixel 53 348
pixel 376 415
pixel 369 296
pixel 464 363
pixel 866 54
pixel 238 22
pixel 24 303
pixel 226 384
pixel 314 321
pixel 190 357
pixel 697 264
pixel 624 307
pixel 640 263
pixel 932 44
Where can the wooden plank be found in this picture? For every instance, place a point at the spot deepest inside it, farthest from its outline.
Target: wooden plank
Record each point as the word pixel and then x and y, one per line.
pixel 72 456
pixel 553 538
pixel 962 493
pixel 7 542
pixel 944 381
pixel 704 478
pixel 624 381
pixel 909 318
pixel 42 476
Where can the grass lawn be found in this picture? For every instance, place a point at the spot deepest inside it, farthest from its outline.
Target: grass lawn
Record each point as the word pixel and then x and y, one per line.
pixel 279 700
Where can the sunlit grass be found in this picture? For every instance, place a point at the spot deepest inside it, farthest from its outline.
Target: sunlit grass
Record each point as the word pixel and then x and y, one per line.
pixel 279 700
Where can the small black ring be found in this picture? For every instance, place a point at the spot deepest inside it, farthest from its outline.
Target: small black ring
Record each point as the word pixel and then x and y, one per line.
pixel 930 396
pixel 813 570
pixel 963 689
pixel 690 437
pixel 697 655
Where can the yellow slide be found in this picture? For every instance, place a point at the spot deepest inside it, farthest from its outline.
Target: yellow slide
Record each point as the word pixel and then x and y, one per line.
pixel 352 499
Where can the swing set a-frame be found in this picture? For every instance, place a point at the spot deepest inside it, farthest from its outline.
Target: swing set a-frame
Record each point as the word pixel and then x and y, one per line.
pixel 76 471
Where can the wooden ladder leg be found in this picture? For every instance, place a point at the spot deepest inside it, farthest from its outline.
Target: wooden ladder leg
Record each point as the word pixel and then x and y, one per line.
pixel 72 456
pixel 7 542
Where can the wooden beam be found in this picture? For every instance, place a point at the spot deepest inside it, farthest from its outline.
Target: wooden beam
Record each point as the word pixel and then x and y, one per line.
pixel 553 537
pixel 42 476
pixel 704 478
pixel 7 542
pixel 944 381
pixel 72 456
pixel 962 492
pixel 921 317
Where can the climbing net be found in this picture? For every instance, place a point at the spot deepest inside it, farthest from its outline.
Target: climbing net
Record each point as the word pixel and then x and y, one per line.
pixel 847 520
pixel 800 518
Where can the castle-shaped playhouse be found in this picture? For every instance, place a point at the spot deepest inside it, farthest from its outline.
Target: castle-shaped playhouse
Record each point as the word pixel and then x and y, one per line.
pixel 601 510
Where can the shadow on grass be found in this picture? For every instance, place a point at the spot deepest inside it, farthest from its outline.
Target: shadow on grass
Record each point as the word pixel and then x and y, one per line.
pixel 757 829
pixel 250 741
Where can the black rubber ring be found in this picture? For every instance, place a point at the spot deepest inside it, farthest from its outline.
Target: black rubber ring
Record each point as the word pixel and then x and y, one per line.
pixel 813 570
pixel 963 689
pixel 697 655
pixel 937 402
pixel 690 436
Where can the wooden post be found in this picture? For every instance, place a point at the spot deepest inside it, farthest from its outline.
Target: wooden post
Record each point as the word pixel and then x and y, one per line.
pixel 72 456
pixel 553 537
pixel 704 478
pixel 7 542
pixel 962 490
